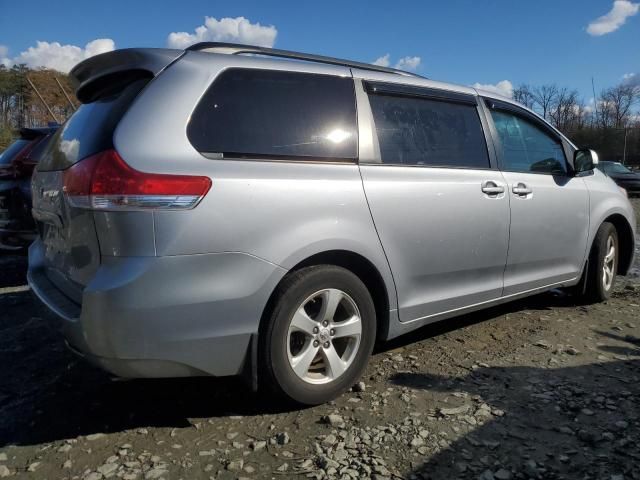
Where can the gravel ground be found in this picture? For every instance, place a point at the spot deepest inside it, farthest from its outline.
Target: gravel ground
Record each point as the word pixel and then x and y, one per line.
pixel 541 388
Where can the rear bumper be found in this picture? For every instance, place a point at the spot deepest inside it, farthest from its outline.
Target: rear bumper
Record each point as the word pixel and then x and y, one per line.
pixel 163 316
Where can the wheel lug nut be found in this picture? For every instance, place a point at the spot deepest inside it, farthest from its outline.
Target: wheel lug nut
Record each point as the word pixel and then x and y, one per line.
pixel 315 329
pixel 332 332
pixel 316 343
pixel 325 323
pixel 326 345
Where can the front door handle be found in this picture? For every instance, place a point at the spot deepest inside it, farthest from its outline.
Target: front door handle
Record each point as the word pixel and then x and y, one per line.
pixel 521 189
pixel 492 188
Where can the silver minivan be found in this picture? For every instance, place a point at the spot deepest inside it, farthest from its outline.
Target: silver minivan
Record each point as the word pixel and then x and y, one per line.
pixel 237 210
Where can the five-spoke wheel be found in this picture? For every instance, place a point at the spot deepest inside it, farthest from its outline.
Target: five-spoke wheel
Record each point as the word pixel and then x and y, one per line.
pixel 320 334
pixel 324 336
pixel 609 263
pixel 602 267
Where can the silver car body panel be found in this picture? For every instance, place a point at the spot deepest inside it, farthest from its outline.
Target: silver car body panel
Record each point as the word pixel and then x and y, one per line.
pixel 174 293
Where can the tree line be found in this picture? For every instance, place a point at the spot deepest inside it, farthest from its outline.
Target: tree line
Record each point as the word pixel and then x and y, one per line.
pixel 563 107
pixel 610 123
pixel 21 107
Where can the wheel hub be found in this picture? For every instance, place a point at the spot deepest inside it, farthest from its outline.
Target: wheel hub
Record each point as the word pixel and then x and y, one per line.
pixel 324 336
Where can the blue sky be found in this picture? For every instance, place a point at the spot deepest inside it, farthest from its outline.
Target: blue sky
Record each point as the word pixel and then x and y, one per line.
pixel 459 41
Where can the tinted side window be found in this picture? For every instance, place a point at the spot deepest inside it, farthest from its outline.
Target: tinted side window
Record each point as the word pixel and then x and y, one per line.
pixel 249 112
pixel 420 131
pixel 526 147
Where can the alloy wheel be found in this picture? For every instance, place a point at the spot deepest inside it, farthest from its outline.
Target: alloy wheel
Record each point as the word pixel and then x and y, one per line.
pixel 324 336
pixel 609 263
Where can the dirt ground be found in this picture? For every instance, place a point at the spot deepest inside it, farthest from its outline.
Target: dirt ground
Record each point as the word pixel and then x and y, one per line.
pixel 541 388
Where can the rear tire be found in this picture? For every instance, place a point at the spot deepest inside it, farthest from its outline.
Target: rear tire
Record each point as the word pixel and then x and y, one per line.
pixel 319 335
pixel 603 265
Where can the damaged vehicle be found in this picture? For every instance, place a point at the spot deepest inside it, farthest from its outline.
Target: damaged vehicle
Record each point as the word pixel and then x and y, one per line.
pixel 237 210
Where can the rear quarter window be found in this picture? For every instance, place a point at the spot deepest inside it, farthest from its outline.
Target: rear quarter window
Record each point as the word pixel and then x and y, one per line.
pixel 265 113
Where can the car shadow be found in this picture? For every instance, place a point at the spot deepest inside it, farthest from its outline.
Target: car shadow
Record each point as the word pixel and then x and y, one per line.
pixel 49 394
pixel 573 422
pixel 546 301
pixel 632 347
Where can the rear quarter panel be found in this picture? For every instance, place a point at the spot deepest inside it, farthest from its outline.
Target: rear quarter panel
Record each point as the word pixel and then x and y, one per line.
pixel 282 212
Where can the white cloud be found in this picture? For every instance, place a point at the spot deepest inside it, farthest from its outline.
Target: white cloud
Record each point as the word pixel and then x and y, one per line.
pixel 238 29
pixel 59 57
pixel 405 63
pixel 614 19
pixel 382 61
pixel 631 79
pixel 504 87
pixel 408 63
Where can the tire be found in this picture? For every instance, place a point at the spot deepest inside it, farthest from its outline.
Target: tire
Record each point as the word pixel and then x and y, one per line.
pixel 598 284
pixel 289 341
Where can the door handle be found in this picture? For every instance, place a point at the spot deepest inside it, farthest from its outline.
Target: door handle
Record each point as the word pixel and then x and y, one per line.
pixel 521 189
pixel 492 188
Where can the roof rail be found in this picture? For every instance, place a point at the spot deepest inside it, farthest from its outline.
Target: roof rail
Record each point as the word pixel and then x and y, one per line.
pixel 238 48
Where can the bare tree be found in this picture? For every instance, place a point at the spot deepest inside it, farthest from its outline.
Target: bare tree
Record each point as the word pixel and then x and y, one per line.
pixel 564 109
pixel 544 96
pixel 615 106
pixel 523 95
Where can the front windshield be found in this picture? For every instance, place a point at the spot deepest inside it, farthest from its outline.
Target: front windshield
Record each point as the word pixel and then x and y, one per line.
pixel 618 168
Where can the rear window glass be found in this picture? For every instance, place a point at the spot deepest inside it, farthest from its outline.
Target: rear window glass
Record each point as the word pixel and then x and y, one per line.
pixel 425 132
pixel 12 150
pixel 36 151
pixel 89 130
pixel 250 112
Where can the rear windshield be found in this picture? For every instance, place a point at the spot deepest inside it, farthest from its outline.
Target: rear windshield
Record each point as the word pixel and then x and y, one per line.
pixel 12 150
pixel 39 148
pixel 90 129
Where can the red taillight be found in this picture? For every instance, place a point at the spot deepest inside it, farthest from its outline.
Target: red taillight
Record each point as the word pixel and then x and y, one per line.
pixel 105 182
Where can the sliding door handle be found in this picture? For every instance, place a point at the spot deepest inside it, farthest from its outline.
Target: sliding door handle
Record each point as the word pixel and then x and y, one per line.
pixel 492 188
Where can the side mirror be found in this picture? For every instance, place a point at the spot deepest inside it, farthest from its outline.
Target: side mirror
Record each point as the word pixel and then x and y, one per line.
pixel 584 160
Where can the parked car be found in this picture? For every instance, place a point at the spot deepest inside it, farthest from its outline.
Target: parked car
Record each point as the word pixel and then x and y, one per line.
pixel 17 162
pixel 207 212
pixel 622 175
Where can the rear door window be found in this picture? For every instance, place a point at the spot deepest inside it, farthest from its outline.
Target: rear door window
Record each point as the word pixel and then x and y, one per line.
pixel 428 132
pixel 266 113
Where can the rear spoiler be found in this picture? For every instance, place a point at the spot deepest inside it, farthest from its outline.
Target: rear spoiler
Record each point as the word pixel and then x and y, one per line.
pixel 32 133
pixel 94 73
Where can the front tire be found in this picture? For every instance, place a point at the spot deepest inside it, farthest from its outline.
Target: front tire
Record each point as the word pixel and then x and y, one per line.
pixel 603 265
pixel 319 335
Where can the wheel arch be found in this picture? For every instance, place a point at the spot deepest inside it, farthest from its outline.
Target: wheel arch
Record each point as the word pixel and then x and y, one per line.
pixel 359 265
pixel 625 239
